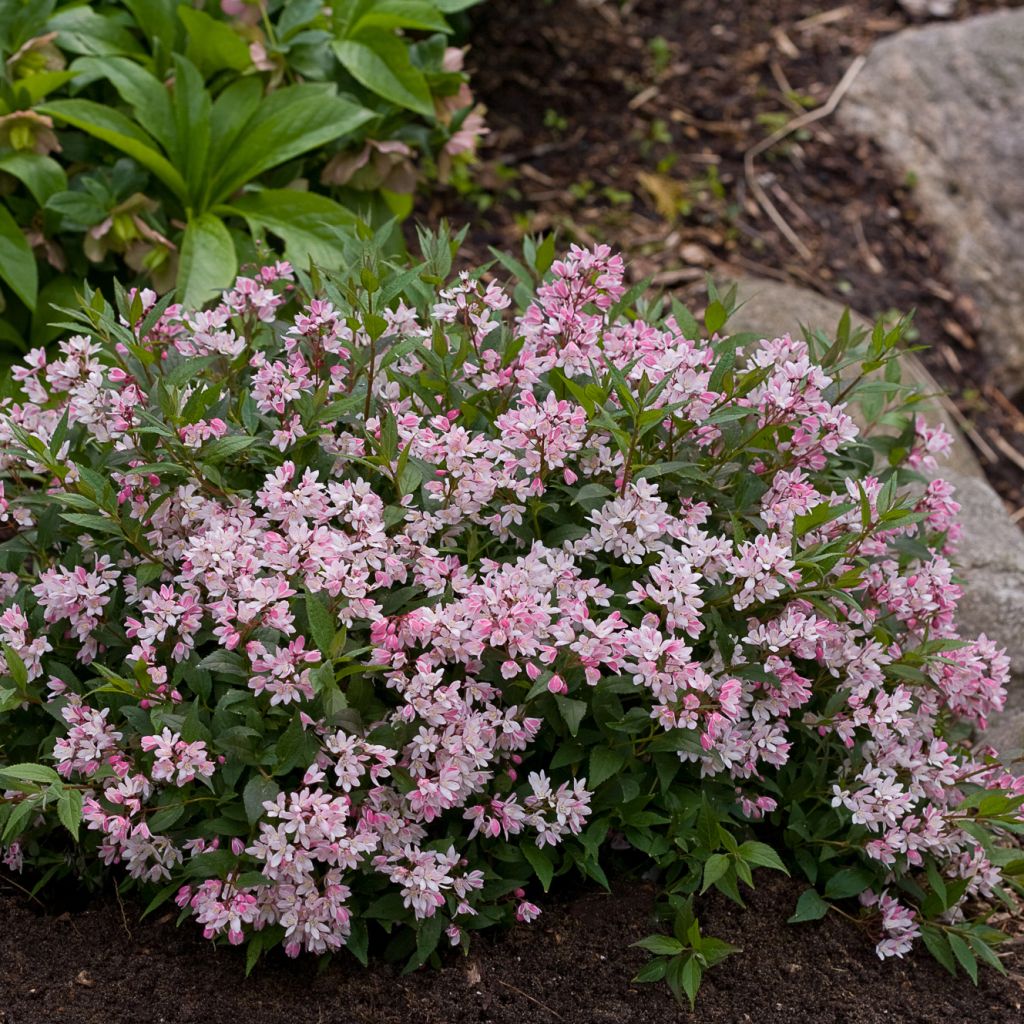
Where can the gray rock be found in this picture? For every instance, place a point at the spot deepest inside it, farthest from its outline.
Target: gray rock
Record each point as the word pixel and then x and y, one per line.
pixel 946 105
pixel 990 557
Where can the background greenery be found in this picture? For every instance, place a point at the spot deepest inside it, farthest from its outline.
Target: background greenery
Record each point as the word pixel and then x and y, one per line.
pixel 163 142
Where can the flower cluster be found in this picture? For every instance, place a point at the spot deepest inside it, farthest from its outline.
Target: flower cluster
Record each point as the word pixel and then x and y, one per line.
pixel 371 605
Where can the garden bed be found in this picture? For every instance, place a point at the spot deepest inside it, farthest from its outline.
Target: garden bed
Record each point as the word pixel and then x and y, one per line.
pixel 606 126
pixel 102 966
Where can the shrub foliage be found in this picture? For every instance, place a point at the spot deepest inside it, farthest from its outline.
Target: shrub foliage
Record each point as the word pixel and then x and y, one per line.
pixel 358 610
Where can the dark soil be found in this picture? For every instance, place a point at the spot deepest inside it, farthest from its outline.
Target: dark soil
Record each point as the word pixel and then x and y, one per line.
pixel 627 122
pixel 103 967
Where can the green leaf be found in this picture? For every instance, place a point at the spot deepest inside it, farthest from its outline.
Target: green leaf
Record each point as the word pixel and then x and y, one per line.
pixel 322 624
pixel 80 208
pixel 19 818
pixel 17 261
pixel 572 712
pixel 41 175
pixel 223 448
pixel 192 117
pixel 604 763
pixel 848 882
pixel 538 860
pixel 142 91
pixel 208 262
pixel 653 970
pixel 116 130
pixel 810 907
pixel 761 855
pixel 692 974
pixel 936 944
pixel 257 791
pixel 213 45
pixel 715 867
pixel 16 668
pixel 964 955
pixel 715 317
pixel 82 30
pixel 392 14
pixel 30 773
pixel 286 124
pixel 660 945
pixel 312 227
pixel 379 61
pixel 69 810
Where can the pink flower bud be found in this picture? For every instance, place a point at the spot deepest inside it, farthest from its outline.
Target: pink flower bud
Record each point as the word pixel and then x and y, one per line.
pixel 557 685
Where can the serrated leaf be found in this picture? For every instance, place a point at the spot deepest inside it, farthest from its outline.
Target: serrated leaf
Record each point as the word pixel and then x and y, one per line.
pixel 24 772
pixel 69 810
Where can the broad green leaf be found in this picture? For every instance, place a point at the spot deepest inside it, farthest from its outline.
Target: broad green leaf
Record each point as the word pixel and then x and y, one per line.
pixel 660 945
pixel 83 30
pixel 286 124
pixel 17 262
pixel 80 208
pixel 192 108
pixel 848 882
pixel 392 14
pixel 208 262
pixel 142 91
pixel 32 88
pixel 312 227
pixel 116 130
pixel 761 855
pixel 41 175
pixel 810 907
pixel 231 113
pixel 213 45
pixel 157 18
pixel 691 975
pixel 936 944
pixel 379 61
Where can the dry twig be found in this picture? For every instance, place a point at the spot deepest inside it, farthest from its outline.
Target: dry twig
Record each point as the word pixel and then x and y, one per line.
pixel 777 136
pixel 526 995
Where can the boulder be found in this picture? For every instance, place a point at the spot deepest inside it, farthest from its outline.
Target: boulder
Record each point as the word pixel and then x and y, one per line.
pixel 990 557
pixel 945 103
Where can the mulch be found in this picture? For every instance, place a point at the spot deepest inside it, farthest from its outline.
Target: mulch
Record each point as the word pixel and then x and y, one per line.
pixel 628 122
pixel 573 965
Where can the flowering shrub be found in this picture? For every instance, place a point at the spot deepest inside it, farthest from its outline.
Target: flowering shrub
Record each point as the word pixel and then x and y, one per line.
pixel 365 607
pixel 166 138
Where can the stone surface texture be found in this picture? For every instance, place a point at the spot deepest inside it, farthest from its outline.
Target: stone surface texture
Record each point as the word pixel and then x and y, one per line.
pixel 990 558
pixel 946 104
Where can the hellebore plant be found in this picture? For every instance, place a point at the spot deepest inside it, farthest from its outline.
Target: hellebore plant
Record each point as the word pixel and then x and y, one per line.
pixel 175 139
pixel 356 610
